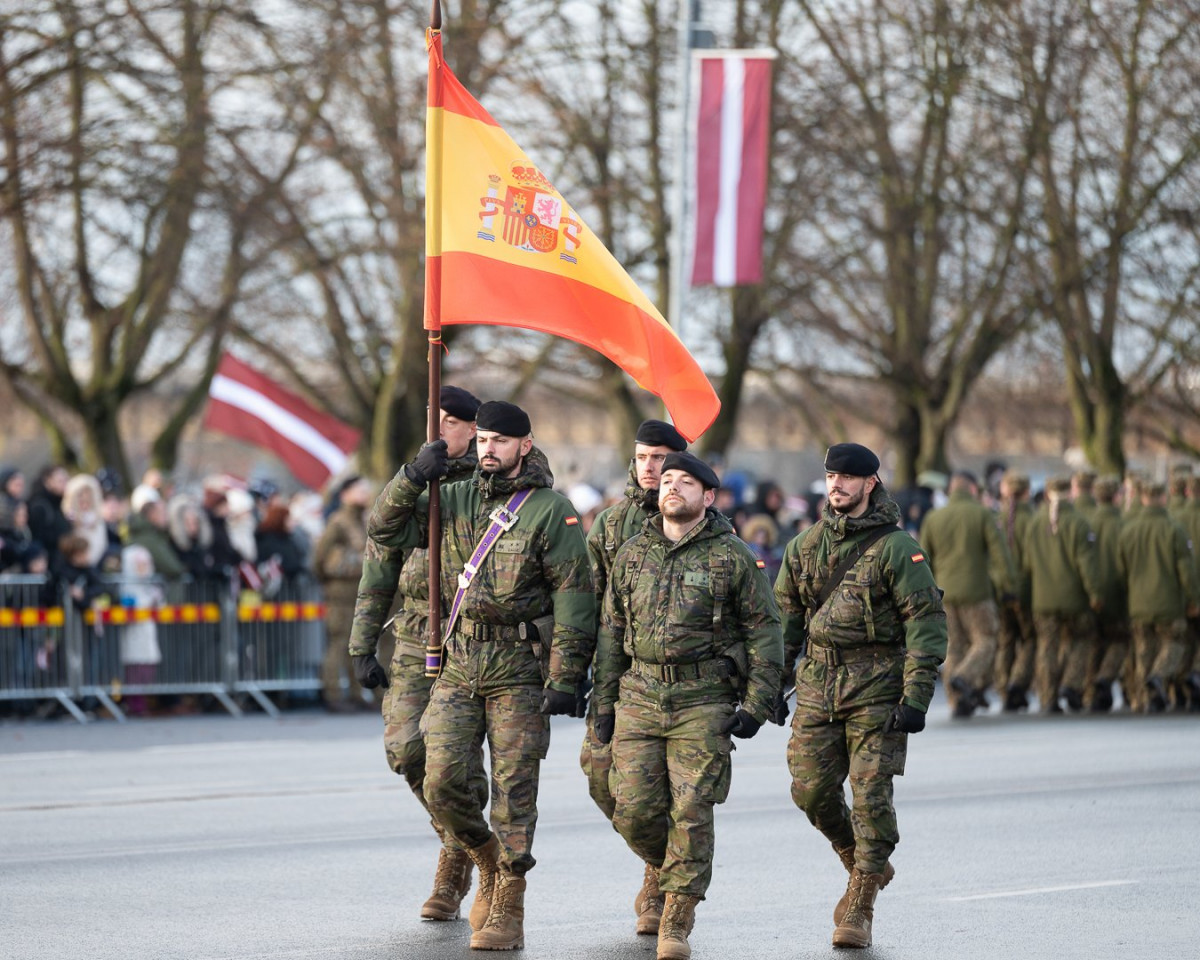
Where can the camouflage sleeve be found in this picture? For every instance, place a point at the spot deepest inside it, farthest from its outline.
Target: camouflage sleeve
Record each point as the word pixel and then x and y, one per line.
pixel 919 603
pixel 792 612
pixel 376 591
pixel 759 625
pixel 611 660
pixel 567 569
pixel 595 546
pixel 400 517
pixel 398 522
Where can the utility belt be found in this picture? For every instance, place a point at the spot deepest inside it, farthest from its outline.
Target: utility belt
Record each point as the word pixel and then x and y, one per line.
pixel 716 668
pixel 496 632
pixel 835 656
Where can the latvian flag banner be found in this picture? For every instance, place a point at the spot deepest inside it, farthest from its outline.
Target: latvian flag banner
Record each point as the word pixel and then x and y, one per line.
pixel 732 126
pixel 251 407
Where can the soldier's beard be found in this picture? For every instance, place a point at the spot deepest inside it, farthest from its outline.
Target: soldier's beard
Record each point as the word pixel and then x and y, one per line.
pixel 848 505
pixel 499 468
pixel 680 511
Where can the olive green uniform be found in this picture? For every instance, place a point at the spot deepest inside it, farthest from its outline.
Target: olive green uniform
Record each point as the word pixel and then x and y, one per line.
pixel 1017 640
pixel 971 563
pixel 876 642
pixel 1154 557
pixel 1058 552
pixel 689 629
pixel 337 564
pixel 492 679
pixel 611 528
pixel 1112 625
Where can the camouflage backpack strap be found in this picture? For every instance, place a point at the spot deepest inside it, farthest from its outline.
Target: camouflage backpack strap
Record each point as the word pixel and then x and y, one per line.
pixel 853 555
pixel 613 524
pixel 719 578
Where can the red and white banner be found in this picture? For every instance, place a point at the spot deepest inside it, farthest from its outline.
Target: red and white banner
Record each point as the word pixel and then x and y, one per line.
pixel 245 404
pixel 733 117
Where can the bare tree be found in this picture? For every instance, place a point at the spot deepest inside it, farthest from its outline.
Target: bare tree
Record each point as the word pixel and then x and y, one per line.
pixel 1119 173
pixel 132 225
pixel 910 171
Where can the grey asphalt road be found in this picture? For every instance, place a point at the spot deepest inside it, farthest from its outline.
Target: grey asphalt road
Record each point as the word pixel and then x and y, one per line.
pixel 232 839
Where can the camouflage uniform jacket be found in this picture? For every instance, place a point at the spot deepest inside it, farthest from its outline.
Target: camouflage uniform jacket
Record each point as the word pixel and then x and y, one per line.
pixel 388 572
pixel 1154 557
pixel 966 552
pixel 538 568
pixel 1014 520
pixel 338 555
pixel 616 524
pixel 1107 523
pixel 1063 566
pixel 691 601
pixel 888 598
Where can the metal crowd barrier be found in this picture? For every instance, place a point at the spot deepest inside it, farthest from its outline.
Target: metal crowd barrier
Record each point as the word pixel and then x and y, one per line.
pixel 155 639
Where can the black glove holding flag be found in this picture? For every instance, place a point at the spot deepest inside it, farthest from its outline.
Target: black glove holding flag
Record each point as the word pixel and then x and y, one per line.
pixel 369 672
pixel 430 463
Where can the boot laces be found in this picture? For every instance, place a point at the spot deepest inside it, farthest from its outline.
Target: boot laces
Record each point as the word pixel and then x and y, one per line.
pixel 674 925
pixel 449 876
pixel 504 894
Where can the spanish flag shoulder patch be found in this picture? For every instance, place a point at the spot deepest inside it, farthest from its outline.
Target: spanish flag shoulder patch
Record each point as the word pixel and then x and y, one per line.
pixel 571 520
pixel 917 558
pixel 761 564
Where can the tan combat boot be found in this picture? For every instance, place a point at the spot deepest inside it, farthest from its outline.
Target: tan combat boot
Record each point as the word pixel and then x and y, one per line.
pixel 854 930
pixel 504 928
pixel 648 904
pixel 678 916
pixel 846 854
pixel 485 858
pixel 450 885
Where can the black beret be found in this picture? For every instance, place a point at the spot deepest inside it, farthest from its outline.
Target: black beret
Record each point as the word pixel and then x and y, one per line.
pixel 690 463
pixel 459 402
pixel 852 459
pixel 498 416
pixel 657 433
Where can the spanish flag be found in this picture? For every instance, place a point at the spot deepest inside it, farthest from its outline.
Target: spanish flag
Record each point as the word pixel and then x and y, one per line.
pixel 503 247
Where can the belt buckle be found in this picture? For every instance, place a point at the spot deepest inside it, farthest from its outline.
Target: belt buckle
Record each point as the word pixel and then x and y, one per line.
pixel 670 673
pixel 479 631
pixel 504 517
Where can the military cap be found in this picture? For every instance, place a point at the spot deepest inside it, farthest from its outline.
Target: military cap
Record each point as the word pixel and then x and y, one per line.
pixel 1105 488
pixel 499 416
pixel 459 402
pixel 690 463
pixel 852 459
pixel 1058 485
pixel 1084 479
pixel 658 433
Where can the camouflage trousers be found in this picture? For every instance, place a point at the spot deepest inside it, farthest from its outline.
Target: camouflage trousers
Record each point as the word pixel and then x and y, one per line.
pixel 1065 646
pixel 971 646
pixel 1015 648
pixel 670 767
pixel 595 759
pixel 1159 648
pixel 822 753
pixel 338 620
pixel 459 716
pixel 404 704
pixel 1110 654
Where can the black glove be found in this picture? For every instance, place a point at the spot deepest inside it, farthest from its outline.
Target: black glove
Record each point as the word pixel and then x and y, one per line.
pixel 605 724
pixel 556 703
pixel 779 710
pixel 741 725
pixel 904 718
pixel 582 689
pixel 369 673
pixel 430 463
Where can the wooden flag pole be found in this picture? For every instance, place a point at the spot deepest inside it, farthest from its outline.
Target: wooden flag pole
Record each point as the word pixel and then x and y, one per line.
pixel 433 325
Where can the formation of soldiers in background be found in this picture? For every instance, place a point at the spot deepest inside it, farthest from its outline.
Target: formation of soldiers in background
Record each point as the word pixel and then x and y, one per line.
pixel 1092 594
